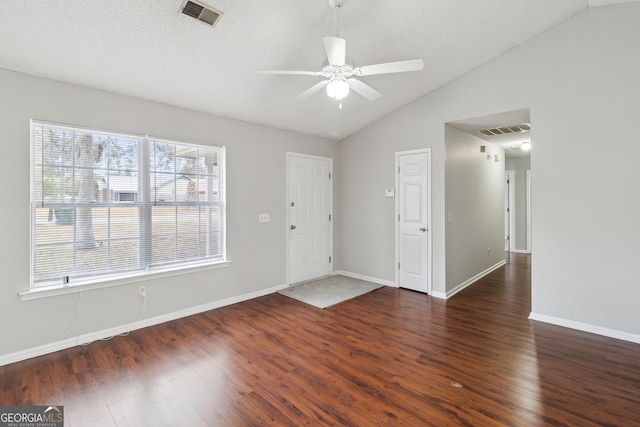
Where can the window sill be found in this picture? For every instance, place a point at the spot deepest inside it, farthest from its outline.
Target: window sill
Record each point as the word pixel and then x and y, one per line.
pixel 89 285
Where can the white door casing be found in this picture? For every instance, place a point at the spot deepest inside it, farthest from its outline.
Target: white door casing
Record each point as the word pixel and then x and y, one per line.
pixel 413 215
pixel 309 207
pixel 528 207
pixel 509 211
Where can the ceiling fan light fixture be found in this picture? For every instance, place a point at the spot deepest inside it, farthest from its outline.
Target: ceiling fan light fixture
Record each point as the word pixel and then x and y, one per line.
pixel 338 88
pixel 526 146
pixel 339 77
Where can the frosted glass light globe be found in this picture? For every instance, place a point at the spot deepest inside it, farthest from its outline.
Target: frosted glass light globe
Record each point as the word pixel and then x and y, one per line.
pixel 338 88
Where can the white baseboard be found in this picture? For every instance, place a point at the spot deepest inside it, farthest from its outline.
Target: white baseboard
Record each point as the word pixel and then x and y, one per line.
pixel 586 327
pixel 520 251
pixel 441 295
pixel 474 279
pixel 106 333
pixel 435 294
pixel 367 278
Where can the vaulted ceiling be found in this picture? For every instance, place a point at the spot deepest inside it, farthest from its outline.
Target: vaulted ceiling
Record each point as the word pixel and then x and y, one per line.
pixel 147 49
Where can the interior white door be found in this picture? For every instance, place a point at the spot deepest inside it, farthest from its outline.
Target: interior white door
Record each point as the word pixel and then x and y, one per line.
pixel 310 204
pixel 413 221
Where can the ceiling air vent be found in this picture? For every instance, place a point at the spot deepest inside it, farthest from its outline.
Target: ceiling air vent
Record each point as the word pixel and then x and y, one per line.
pixel 200 12
pixel 506 130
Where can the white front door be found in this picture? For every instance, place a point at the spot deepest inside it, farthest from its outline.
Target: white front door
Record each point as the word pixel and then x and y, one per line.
pixel 414 220
pixel 309 204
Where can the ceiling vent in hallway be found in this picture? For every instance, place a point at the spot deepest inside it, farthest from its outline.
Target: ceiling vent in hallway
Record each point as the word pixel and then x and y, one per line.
pixel 202 13
pixel 524 127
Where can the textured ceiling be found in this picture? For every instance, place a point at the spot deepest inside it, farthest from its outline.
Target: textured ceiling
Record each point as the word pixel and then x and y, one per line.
pixel 146 49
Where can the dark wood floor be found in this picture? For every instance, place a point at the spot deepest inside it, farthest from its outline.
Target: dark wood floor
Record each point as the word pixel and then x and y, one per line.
pixel 391 357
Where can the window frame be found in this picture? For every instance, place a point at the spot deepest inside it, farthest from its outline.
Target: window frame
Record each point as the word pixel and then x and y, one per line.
pixel 46 287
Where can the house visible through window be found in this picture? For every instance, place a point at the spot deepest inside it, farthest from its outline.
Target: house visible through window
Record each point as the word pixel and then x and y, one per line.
pixel 106 204
pixel 126 197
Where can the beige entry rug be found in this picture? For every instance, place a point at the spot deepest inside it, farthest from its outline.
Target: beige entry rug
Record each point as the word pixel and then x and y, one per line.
pixel 329 291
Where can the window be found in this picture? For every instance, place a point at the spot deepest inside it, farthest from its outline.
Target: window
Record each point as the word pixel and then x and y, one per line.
pixel 106 204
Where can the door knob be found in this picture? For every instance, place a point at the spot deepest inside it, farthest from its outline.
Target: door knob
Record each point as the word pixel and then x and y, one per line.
pixel 293 227
pixel 423 229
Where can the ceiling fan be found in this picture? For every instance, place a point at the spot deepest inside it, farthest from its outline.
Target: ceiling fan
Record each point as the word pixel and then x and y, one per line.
pixel 340 77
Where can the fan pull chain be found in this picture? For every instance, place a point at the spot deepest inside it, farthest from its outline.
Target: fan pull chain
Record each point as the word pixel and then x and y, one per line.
pixel 337 7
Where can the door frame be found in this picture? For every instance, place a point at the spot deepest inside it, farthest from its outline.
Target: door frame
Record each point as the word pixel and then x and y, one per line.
pixel 510 215
pixel 426 151
pixel 528 207
pixel 289 155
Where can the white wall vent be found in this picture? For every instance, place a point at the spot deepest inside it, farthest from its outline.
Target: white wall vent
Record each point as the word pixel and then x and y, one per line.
pixel 202 13
pixel 524 127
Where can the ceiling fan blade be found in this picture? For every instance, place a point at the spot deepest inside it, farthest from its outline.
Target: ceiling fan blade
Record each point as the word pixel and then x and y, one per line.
pixel 302 73
pixel 364 89
pixel 336 50
pixel 391 67
pixel 313 89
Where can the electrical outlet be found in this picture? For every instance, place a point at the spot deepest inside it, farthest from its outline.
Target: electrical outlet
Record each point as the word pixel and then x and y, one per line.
pixel 142 292
pixel 488 251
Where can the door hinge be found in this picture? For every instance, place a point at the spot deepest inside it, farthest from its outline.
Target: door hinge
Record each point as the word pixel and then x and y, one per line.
pixel 398 217
pixel 398 169
pixel 329 175
pixel 329 217
pixel 398 266
pixel 329 259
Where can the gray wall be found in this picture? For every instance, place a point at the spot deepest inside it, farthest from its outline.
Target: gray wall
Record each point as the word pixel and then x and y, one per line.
pixel 519 165
pixel 474 205
pixel 256 175
pixel 580 81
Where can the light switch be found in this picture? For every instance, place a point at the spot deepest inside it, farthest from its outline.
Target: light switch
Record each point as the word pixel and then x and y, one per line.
pixel 264 217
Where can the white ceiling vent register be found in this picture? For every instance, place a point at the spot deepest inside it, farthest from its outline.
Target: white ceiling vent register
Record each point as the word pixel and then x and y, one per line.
pixel 199 11
pixel 524 127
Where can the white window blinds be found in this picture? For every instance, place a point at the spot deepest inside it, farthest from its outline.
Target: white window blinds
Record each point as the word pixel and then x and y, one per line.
pixel 105 204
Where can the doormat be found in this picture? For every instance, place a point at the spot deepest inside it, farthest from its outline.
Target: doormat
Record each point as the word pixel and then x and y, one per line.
pixel 330 291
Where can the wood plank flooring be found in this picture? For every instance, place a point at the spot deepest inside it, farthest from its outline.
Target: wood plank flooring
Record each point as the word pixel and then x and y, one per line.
pixel 390 357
